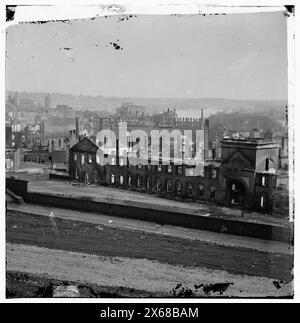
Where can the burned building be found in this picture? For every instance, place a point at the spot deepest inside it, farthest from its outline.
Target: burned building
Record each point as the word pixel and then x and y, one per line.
pixel 83 165
pixel 248 172
pixel 247 177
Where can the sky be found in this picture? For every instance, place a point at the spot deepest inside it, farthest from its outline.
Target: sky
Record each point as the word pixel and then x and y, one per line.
pixel 237 56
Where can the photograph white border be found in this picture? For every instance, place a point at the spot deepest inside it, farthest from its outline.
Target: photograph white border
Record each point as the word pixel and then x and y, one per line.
pixel 79 9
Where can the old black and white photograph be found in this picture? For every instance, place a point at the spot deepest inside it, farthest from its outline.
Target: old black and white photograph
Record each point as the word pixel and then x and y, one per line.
pixel 149 152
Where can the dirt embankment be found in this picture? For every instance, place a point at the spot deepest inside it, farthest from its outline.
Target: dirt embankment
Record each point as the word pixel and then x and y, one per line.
pixel 134 274
pixel 106 241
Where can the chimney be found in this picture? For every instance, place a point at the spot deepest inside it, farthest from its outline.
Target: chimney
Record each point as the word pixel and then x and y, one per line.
pixel 207 123
pixel 77 128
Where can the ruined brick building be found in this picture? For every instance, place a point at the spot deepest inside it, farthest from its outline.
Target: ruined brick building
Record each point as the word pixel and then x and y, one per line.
pixel 248 175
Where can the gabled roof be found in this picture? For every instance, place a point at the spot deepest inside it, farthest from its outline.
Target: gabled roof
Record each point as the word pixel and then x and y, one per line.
pixel 85 145
pixel 238 161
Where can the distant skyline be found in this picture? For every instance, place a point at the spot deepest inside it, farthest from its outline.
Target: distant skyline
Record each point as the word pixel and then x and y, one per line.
pixel 237 56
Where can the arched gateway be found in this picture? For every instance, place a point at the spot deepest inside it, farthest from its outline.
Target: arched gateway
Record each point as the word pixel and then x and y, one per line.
pixel 236 193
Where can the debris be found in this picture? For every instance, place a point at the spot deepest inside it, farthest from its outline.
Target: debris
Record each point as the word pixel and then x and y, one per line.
pixel 53 223
pixel 66 291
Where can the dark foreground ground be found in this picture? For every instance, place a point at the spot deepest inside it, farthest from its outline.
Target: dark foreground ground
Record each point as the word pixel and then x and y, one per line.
pixel 26 285
pixel 27 229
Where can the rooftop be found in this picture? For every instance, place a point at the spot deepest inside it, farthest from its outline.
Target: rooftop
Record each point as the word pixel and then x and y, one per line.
pixel 250 142
pixel 246 140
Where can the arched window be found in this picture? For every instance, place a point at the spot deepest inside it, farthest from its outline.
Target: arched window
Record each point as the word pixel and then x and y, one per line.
pixel 139 182
pixel 86 178
pixel 82 159
pixel 158 184
pixel 201 190
pixel 263 201
pixel 179 170
pixel 168 186
pixel 169 169
pixel 121 179
pixel 90 158
pixel 213 173
pixel 112 179
pixel 178 187
pixel 94 176
pixel 189 189
pixel 75 156
pixel 129 180
pixel 148 183
pixel 267 164
pixel 212 192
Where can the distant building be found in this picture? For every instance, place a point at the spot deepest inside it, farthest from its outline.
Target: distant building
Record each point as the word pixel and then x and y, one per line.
pixel 166 119
pixel 25 117
pixel 12 159
pixel 8 135
pixel 17 139
pixel 48 102
pixel 26 104
pixel 63 111
pixel 59 146
pixel 37 154
pixel 131 110
pixel 83 165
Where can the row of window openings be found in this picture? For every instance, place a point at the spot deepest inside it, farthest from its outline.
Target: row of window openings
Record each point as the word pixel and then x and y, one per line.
pixel 213 172
pixel 89 158
pixel 263 182
pixel 158 186
pixel 179 188
pixel 262 201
